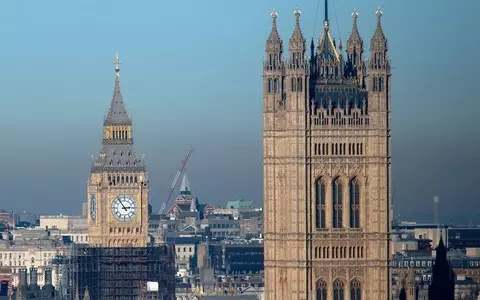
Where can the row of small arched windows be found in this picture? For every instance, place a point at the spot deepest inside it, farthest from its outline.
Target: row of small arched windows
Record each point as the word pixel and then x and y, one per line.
pixel 338 149
pixel 122 179
pixel 338 290
pixel 123 230
pixel 274 84
pixel 127 163
pixel 350 120
pixel 337 206
pixel 338 252
pixel 411 264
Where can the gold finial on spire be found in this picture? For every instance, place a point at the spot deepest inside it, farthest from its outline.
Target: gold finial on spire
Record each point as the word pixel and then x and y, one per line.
pixel 355 14
pixel 117 65
pixel 274 13
pixel 297 12
pixel 379 13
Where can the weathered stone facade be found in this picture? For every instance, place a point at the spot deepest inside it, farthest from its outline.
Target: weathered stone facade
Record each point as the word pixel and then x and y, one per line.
pixel 327 171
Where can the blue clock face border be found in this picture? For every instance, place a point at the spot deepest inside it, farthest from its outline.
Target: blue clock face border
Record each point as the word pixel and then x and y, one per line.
pixel 93 207
pixel 124 208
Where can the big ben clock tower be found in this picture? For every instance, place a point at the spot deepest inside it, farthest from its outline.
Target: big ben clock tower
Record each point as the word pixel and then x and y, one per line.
pixel 118 183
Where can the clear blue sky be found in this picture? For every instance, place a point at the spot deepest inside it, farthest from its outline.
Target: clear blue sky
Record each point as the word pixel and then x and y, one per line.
pixel 191 75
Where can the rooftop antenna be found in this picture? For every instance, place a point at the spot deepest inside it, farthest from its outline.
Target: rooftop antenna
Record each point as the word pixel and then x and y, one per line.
pixel 117 65
pixel 435 215
pixel 326 11
pixel 316 19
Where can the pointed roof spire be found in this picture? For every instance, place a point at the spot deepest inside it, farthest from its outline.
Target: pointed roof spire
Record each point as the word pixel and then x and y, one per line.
pixel 117 113
pixel 326 46
pixel 76 295
pixel 86 295
pixel 274 36
pixel 274 43
pixel 193 205
pixel 297 41
pixel 354 40
pixel 441 249
pixel 442 285
pixel 185 187
pixel 379 35
pixel 297 31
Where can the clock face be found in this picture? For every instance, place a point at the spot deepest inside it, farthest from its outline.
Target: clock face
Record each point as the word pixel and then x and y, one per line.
pixel 124 208
pixel 93 207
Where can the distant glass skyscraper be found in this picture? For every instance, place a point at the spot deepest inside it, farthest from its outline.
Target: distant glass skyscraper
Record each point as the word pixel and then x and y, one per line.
pixel 327 166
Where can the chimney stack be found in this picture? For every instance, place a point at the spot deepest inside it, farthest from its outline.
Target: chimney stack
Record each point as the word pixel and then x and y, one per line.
pixel 22 277
pixel 48 276
pixel 33 276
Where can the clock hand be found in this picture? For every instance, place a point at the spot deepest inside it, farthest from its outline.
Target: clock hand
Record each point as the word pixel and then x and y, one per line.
pixel 121 203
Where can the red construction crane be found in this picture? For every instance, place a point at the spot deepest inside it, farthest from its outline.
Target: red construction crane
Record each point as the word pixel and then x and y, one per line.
pixel 175 180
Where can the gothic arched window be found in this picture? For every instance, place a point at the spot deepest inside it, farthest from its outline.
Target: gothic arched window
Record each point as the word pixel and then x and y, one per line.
pixel 320 203
pixel 354 204
pixel 270 85
pixel 293 84
pixel 275 85
pixel 355 290
pixel 338 290
pixel 299 84
pixel 321 290
pixel 337 193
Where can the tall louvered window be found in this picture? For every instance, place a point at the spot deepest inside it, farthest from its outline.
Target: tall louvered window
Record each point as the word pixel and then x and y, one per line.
pixel 320 203
pixel 337 193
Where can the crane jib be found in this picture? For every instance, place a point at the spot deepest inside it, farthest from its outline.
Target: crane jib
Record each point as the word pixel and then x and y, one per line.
pixel 175 180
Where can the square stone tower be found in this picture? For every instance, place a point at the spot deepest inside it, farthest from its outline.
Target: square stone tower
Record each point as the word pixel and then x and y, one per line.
pixel 327 166
pixel 118 183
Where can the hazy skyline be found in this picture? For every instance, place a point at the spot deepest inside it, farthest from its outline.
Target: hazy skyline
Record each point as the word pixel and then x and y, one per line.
pixel 191 75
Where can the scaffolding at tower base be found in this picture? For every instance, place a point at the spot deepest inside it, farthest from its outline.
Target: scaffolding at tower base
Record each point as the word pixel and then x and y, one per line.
pixel 117 273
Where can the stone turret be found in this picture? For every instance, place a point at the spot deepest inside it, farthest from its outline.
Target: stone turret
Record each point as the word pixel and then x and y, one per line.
pixel 355 50
pixel 326 133
pixel 273 68
pixel 379 63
